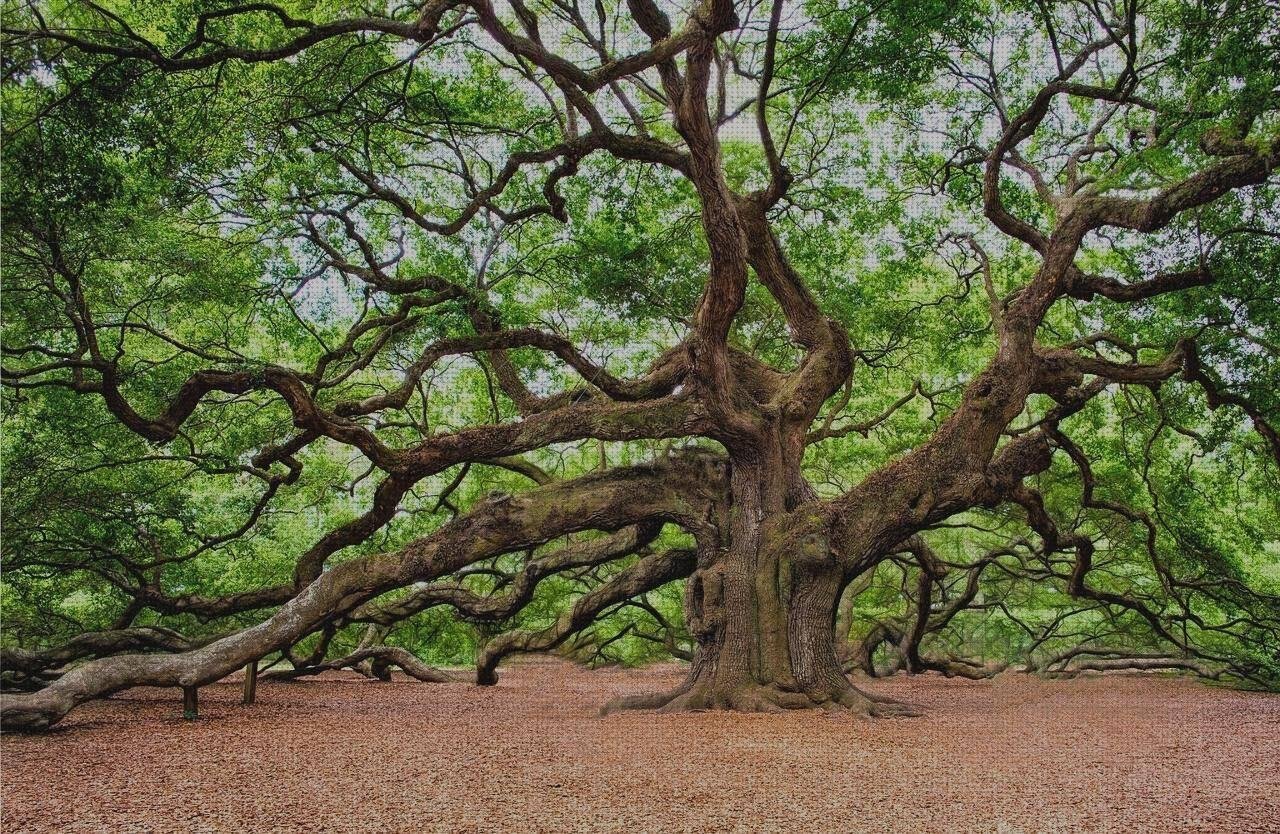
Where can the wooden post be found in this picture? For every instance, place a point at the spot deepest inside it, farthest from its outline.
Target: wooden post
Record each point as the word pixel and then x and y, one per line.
pixel 190 703
pixel 250 682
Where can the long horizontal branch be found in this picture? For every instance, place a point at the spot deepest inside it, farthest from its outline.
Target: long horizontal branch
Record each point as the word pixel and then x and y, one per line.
pixel 685 491
pixel 382 657
pixel 518 590
pixel 94 644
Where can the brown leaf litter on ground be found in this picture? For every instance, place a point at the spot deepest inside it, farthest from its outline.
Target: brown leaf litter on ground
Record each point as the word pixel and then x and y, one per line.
pixel 1015 754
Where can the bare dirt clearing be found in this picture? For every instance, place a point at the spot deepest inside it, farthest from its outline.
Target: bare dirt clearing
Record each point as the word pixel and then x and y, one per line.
pixel 343 754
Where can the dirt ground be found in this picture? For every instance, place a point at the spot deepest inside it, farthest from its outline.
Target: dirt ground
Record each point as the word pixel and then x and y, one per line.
pixel 343 754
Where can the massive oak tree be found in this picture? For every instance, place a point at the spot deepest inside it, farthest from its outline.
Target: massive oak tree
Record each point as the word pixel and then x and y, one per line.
pixel 321 316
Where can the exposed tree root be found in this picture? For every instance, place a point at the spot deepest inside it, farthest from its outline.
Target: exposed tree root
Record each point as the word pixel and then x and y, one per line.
pixel 761 698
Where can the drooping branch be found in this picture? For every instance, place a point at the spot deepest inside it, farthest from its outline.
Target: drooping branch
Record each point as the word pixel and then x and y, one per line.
pixel 46 663
pixel 378 659
pixel 652 571
pixel 1163 626
pixel 1218 396
pixel 686 491
pixel 517 590
pixel 1099 659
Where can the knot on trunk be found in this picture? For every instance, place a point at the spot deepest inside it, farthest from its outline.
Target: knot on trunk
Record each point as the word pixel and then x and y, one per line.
pixel 809 553
pixel 704 604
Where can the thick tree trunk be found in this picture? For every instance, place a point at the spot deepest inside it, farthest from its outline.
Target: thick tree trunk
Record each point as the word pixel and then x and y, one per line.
pixel 762 610
pixel 764 629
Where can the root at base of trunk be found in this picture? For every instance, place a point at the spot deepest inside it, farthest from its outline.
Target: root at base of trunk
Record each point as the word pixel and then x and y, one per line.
pixel 761 698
